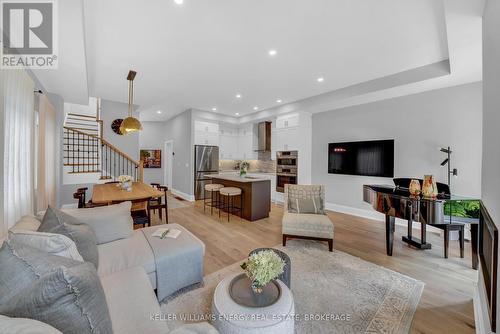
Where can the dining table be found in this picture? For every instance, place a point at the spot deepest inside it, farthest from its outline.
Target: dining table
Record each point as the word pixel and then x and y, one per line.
pixel 112 193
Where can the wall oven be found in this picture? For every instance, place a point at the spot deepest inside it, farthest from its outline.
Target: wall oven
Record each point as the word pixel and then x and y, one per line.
pixel 286 169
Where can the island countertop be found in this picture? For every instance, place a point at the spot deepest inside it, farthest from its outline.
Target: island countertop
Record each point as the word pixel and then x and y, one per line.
pixel 236 178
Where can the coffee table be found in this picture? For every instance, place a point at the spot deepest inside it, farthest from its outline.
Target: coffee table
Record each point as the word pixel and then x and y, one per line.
pixel 232 318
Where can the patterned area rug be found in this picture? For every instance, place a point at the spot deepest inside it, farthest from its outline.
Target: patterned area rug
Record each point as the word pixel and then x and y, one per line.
pixel 342 293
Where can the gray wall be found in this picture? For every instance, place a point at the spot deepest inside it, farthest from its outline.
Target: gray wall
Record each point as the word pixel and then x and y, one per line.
pixel 153 137
pixel 178 129
pixel 128 144
pixel 491 133
pixel 420 124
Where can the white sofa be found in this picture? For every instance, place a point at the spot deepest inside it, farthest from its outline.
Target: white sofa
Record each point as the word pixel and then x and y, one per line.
pixel 127 274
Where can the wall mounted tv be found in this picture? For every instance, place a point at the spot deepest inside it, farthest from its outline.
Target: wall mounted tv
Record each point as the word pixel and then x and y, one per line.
pixel 370 158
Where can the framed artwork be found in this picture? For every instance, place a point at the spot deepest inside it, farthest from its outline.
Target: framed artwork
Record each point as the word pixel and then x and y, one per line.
pixel 151 158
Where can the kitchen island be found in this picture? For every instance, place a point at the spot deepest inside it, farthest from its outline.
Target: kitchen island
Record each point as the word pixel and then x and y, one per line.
pixel 256 194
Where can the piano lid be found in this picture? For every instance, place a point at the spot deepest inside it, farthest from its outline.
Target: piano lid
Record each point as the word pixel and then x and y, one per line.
pixel 405 193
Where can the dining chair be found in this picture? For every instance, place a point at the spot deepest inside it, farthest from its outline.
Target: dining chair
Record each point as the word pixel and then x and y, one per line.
pixel 155 200
pixel 140 212
pixel 81 195
pixel 156 203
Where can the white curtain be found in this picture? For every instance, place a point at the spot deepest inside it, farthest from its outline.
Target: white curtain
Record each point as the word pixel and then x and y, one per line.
pixel 45 162
pixel 18 118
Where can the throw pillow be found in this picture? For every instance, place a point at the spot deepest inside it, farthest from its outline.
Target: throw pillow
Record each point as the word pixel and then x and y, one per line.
pixel 312 205
pixel 69 299
pixel 55 244
pixel 26 223
pixel 25 326
pixel 109 223
pixel 56 221
pixel 21 265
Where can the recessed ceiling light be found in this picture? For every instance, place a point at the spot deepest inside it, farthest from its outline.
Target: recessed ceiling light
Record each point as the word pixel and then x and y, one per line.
pixel 273 52
pixel 279 101
pixel 320 79
pixel 158 112
pixel 237 114
pixel 214 109
pixel 255 108
pixel 179 2
pixel 238 96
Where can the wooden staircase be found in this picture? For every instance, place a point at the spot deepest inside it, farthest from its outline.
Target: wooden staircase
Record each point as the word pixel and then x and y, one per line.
pixel 86 152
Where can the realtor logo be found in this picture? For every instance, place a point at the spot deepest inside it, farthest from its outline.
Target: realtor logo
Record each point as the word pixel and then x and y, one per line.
pixel 29 34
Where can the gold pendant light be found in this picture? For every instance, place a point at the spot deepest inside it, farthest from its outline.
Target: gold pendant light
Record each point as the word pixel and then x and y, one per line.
pixel 130 124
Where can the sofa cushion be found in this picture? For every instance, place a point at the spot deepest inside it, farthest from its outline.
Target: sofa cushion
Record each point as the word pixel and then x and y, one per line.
pixel 132 302
pixel 126 253
pixel 307 225
pixel 109 223
pixel 21 265
pixel 69 299
pixel 26 223
pixel 52 243
pixel 25 326
pixel 56 221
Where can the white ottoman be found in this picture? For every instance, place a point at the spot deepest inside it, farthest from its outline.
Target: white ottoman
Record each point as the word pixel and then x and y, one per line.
pixel 232 318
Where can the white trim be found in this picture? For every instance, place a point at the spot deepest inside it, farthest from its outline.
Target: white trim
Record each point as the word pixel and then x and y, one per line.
pixel 478 310
pixel 182 195
pixel 168 161
pixel 374 215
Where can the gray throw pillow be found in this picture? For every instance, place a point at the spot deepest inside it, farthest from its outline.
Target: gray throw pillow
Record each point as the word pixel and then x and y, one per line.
pixel 69 299
pixel 56 221
pixel 21 265
pixel 312 205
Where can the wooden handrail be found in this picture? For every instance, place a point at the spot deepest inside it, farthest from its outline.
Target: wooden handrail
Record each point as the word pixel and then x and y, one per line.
pixel 105 147
pixel 117 150
pixel 107 143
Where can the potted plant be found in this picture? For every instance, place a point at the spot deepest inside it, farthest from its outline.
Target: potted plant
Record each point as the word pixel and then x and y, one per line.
pixel 125 182
pixel 262 268
pixel 244 168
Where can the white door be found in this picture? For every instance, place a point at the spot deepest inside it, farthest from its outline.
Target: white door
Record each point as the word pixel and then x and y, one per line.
pixel 169 159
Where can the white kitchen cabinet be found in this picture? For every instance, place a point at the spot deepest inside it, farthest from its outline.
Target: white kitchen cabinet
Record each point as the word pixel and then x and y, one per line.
pixel 287 139
pixel 228 136
pixel 206 133
pixel 287 121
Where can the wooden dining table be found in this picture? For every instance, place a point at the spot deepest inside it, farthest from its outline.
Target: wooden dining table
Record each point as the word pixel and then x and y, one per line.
pixel 112 193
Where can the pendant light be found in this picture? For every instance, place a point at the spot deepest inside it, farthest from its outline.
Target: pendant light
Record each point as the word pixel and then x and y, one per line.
pixel 130 124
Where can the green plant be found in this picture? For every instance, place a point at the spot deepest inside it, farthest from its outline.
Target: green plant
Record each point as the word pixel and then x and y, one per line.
pixel 262 268
pixel 465 208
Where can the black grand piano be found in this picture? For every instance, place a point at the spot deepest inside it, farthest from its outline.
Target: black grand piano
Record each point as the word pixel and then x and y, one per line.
pixel 396 202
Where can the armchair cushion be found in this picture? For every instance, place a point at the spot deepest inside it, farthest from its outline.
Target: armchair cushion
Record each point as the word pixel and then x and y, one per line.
pixel 307 225
pixel 311 205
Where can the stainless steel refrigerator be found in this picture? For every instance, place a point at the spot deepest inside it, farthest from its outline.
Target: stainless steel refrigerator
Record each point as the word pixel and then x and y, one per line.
pixel 206 161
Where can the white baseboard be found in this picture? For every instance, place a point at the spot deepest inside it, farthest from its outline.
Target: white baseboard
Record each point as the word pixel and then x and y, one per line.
pixel 478 312
pixel 182 195
pixel 372 214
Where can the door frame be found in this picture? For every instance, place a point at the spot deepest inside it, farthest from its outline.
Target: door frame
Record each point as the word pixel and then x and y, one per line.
pixel 168 163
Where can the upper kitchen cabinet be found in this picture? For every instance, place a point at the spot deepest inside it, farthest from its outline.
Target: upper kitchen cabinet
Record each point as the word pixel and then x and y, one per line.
pixel 246 143
pixel 228 139
pixel 206 133
pixel 287 121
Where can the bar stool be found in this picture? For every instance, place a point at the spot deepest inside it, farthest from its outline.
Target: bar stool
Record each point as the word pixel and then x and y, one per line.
pixel 230 193
pixel 212 188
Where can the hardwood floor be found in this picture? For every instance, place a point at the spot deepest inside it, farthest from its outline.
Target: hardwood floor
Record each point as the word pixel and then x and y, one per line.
pixel 446 303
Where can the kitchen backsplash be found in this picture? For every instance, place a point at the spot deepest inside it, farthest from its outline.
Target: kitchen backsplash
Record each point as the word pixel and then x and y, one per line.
pixel 264 166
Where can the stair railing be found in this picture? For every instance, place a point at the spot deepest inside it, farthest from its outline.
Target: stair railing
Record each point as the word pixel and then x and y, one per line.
pixel 86 153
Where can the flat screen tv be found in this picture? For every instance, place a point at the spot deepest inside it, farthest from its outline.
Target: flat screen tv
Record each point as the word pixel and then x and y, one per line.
pixel 370 158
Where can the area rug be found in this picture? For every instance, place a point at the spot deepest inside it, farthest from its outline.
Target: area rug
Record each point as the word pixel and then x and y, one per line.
pixel 333 293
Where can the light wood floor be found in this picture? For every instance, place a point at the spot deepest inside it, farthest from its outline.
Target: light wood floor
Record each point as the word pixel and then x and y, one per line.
pixel 446 303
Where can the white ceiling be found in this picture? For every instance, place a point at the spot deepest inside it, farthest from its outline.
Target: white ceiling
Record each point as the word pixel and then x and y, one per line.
pixel 202 53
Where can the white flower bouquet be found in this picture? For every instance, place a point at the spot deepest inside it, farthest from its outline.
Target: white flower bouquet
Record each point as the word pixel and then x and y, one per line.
pixel 263 267
pixel 125 182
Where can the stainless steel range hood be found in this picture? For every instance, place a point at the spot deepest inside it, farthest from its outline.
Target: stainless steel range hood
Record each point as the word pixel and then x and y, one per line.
pixel 264 141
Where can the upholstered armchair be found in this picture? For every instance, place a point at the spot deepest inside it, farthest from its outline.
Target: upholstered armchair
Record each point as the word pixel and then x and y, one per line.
pixel 304 216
